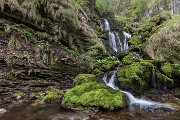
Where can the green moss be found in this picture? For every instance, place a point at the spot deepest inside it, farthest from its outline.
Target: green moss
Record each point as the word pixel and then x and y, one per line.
pixel 134 40
pixel 176 67
pixel 84 78
pixel 50 94
pixel 18 94
pixel 93 94
pixel 97 72
pixel 164 80
pixel 130 58
pixel 107 64
pixel 167 69
pixel 135 77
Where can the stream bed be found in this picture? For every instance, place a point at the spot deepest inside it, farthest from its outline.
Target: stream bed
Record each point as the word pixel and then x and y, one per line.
pixel 36 111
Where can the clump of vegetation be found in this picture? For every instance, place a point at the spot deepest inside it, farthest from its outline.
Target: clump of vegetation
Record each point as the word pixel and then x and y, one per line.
pixel 107 64
pixel 84 78
pixel 164 44
pixel 135 77
pixel 130 58
pixel 49 95
pixel 134 40
pixel 164 80
pixel 106 6
pixel 93 94
pixel 171 70
pixel 18 95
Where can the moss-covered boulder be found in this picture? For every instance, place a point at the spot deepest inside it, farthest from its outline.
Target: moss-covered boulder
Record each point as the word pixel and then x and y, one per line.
pixel 93 94
pixel 131 58
pixel 167 69
pixel 164 81
pixel 135 77
pixel 172 71
pixel 107 64
pixel 84 78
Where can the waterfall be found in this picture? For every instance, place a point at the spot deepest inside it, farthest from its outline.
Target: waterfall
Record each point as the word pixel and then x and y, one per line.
pixel 126 37
pixel 133 101
pixel 112 41
pixel 115 42
pixel 106 25
pixel 119 44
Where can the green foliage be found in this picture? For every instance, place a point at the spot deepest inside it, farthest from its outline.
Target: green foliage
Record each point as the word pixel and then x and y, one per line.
pixel 134 40
pixel 130 58
pixel 171 70
pixel 167 68
pixel 136 76
pixel 72 52
pixel 93 94
pixel 18 94
pixel 50 94
pixel 84 78
pixel 106 6
pixel 164 44
pixel 27 34
pixel 107 63
pixel 164 80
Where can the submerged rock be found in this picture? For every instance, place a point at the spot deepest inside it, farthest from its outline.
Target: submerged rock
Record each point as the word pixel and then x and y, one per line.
pixel 93 94
pixel 135 77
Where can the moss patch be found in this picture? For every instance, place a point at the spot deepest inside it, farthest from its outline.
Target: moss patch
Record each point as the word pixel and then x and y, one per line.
pixel 84 78
pixel 50 94
pixel 134 40
pixel 107 64
pixel 18 95
pixel 130 58
pixel 93 94
pixel 167 69
pixel 164 80
pixel 135 77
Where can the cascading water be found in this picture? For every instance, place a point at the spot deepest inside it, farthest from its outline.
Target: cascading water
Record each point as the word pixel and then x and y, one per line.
pixel 115 42
pixel 109 81
pixel 106 25
pixel 127 36
pixel 112 41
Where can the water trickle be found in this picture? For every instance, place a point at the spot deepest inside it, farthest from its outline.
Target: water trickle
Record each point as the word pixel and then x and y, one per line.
pixel 153 80
pixel 109 81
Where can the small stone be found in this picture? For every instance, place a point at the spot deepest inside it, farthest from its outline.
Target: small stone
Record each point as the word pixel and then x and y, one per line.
pixel 2 110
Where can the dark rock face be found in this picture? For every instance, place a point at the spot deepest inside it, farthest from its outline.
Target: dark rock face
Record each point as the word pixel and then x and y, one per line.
pixel 40 46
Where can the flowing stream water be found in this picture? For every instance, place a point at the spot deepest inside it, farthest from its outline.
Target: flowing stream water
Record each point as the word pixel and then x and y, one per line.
pixel 133 101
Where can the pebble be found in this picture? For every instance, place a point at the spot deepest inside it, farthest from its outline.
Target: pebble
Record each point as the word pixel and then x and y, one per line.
pixel 2 110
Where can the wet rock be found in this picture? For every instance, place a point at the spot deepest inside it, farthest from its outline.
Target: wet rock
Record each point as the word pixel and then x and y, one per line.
pixel 2 111
pixel 135 77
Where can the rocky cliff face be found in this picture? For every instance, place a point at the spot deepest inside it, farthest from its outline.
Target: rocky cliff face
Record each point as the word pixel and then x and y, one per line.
pixel 44 40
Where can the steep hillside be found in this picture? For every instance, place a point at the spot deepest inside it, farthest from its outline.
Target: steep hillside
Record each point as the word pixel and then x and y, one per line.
pixel 48 39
